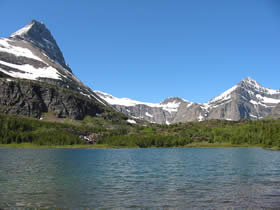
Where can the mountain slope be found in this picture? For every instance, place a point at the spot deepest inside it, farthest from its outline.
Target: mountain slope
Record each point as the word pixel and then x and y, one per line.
pixel 35 78
pixel 32 54
pixel 248 99
pixel 275 113
pixel 162 113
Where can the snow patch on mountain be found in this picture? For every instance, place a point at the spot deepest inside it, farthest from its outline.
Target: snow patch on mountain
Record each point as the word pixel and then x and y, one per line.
pixel 119 101
pixel 169 107
pixel 252 87
pixel 228 106
pixel 254 102
pixel 190 104
pixel 27 71
pixel 200 118
pixel 131 121
pixel 23 30
pixel 268 100
pixel 257 87
pixel 148 115
pixel 224 96
pixel 253 116
pixel 6 46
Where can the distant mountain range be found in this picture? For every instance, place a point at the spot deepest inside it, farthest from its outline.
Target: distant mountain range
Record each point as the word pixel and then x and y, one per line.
pixel 246 100
pixel 35 79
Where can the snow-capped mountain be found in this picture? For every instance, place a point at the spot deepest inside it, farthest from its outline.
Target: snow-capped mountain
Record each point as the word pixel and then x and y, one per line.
pixel 32 54
pixel 162 113
pixel 248 99
pixel 30 58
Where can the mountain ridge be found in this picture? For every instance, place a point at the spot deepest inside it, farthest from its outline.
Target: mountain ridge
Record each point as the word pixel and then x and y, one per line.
pixel 29 59
pixel 32 53
pixel 37 33
pixel 248 99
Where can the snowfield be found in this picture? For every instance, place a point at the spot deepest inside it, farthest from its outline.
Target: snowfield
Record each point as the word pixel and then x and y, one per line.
pixel 6 46
pixel 169 107
pixel 30 72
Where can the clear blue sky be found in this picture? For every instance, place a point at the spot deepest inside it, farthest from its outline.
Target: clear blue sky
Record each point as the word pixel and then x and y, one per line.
pixel 152 49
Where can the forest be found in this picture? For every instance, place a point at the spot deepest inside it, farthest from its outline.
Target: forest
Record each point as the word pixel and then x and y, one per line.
pixel 265 133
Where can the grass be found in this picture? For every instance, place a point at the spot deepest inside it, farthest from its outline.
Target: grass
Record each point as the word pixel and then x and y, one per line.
pixel 106 146
pixel 272 148
pixel 219 145
pixel 75 146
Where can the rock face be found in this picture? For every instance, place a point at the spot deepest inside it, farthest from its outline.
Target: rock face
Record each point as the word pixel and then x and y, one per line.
pixel 275 113
pixel 37 34
pixel 162 113
pixel 248 99
pixel 32 99
pixel 32 53
pixel 36 78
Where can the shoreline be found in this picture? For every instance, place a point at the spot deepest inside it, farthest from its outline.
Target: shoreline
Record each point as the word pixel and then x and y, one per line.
pixel 105 146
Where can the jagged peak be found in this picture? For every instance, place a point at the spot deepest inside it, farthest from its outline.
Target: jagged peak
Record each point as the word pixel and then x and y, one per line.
pixel 39 35
pixel 22 31
pixel 34 25
pixel 174 100
pixel 249 79
pixel 251 82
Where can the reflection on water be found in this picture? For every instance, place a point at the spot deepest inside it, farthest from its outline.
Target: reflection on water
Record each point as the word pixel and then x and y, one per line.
pixel 143 178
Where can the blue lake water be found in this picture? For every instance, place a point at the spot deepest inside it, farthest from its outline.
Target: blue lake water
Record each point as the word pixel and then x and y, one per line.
pixel 140 178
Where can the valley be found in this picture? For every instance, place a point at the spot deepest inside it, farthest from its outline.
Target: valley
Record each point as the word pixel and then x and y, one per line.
pixel 44 104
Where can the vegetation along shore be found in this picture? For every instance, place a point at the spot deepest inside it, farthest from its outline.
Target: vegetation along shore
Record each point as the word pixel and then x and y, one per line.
pixel 24 132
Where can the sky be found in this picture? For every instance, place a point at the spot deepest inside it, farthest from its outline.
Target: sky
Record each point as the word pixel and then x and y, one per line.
pixel 149 50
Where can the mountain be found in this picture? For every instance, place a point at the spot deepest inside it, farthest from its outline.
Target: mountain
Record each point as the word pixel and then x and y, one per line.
pixel 162 113
pixel 34 78
pixel 275 113
pixel 246 100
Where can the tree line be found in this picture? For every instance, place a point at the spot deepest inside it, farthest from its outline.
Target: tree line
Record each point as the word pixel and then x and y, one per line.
pixel 14 129
pixel 264 132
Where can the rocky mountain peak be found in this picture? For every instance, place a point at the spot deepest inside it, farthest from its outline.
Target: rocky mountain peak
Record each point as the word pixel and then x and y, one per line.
pixel 251 83
pixel 249 79
pixel 26 30
pixel 176 100
pixel 248 99
pixel 34 78
pixel 39 35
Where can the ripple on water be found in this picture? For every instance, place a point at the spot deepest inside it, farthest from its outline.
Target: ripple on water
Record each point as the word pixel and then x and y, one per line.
pixel 141 178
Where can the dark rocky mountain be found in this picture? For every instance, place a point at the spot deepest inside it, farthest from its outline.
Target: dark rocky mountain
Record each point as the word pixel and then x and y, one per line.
pixel 36 79
pixel 37 34
pixel 246 100
pixel 32 98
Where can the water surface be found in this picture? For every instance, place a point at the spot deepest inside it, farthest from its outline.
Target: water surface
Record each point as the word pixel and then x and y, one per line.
pixel 140 178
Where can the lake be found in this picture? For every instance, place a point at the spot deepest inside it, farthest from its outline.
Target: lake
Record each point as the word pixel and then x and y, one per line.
pixel 140 178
